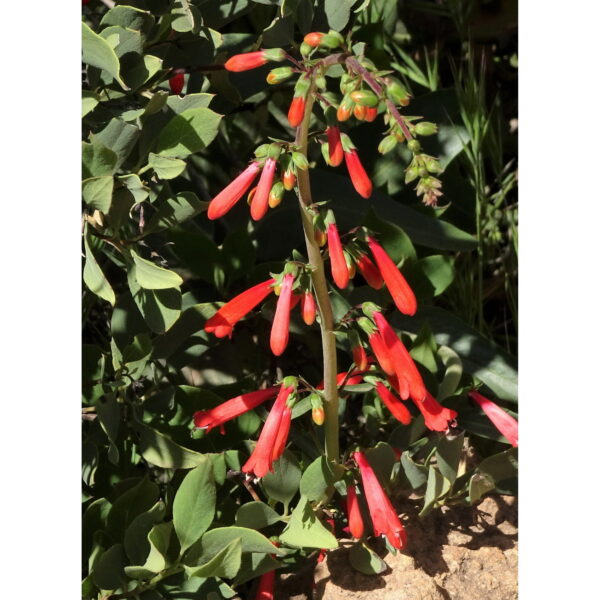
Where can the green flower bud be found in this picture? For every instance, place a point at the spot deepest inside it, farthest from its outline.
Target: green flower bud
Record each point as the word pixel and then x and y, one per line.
pixel 414 146
pixel 387 144
pixel 331 40
pixel 321 82
pixel 274 151
pixel 411 174
pixel 432 165
pixel 279 74
pixel 274 54
pixel 262 150
pixel 300 160
pixel 397 93
pixel 423 172
pixel 425 128
pixel 365 98
pixel 305 49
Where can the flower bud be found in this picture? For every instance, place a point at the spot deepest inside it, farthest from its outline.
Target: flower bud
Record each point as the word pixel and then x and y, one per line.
pixel 289 179
pixel 360 112
pixel 176 82
pixel 387 144
pixel 252 60
pixel 397 93
pixel 365 98
pixel 345 109
pixel 313 39
pixel 296 111
pixel 425 128
pixel 414 146
pixel 279 74
pixel 300 160
pixel 411 174
pixel 276 194
pixel 318 414
pixel 423 172
pixel 371 114
pixel 432 165
pixel 262 150
pixel 320 237
pixel 305 49
pixel 350 265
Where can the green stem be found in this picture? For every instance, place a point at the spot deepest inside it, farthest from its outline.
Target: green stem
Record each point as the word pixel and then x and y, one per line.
pixel 319 281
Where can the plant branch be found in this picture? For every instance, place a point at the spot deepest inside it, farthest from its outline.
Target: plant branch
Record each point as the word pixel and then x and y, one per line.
pixel 321 293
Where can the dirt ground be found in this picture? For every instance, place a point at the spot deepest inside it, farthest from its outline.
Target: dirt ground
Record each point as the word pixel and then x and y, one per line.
pixel 456 553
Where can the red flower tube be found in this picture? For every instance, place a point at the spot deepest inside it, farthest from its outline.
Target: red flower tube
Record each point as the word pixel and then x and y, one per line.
pixel 261 460
pixel 214 417
pixel 394 405
pixel 354 378
pixel 266 586
pixel 260 201
pixel 400 385
pixel 339 268
pixel 381 353
pixel 371 114
pixel 308 308
pixel 282 434
pixel 223 321
pixel 436 416
pixel 504 423
pixel 360 180
pixel 404 365
pixel 247 61
pixel 296 111
pixel 370 272
pixel 224 201
pixel 384 517
pixel 356 525
pixel 280 330
pixel 359 356
pixel 402 294
pixel 176 83
pixel 336 152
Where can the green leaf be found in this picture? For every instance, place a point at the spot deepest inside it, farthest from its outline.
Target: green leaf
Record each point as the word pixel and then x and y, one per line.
pixel 97 160
pixel 318 477
pixel 194 504
pixel 98 53
pixel 109 415
pixel 480 357
pixel 136 500
pixel 136 541
pixel 179 104
pixel 415 473
pixel 93 276
pixel 284 482
pixel 491 471
pixel 191 131
pixel 97 192
pixel 89 101
pixel 108 569
pixel 166 167
pixel 162 451
pixel 184 16
pixel 153 277
pixel 173 211
pixel 453 373
pixel 120 137
pixel 304 529
pixel 254 565
pixel 159 539
pixel 256 515
pixel 225 564
pixel 424 348
pixel 338 13
pixel 364 560
pixel 439 270
pixel 128 17
pixel 448 453
pixel 435 489
pixel 135 186
pixel 382 458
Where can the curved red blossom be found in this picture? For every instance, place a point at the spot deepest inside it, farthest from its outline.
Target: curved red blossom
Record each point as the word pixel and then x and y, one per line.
pixel 339 268
pixel 261 460
pixel 356 525
pixel 225 200
pixel 176 83
pixel 280 331
pixel 381 353
pixel 437 417
pixel 260 201
pixel 296 111
pixel 400 385
pixel 352 378
pixel 266 586
pixel 402 294
pixel 222 322
pixel 308 308
pixel 369 271
pixel 334 141
pixel 246 61
pixel 359 356
pixel 384 517
pixel 360 180
pixel 214 417
pixel 508 426
pixel 282 434
pixel 395 406
pixel 404 365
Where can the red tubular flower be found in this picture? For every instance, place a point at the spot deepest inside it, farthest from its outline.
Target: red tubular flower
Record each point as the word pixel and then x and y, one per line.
pixel 436 416
pixel 296 111
pixel 394 405
pixel 214 417
pixel 282 434
pixel 354 378
pixel 381 353
pixel 176 83
pixel 384 517
pixel 308 308
pixel 404 365
pixel 260 201
pixel 369 271
pixel 339 268
pixel 280 330
pixel 402 294
pixel 504 423
pixel 400 385
pixel 246 61
pixel 359 356
pixel 336 152
pixel 224 201
pixel 266 586
pixel 223 321
pixel 355 520
pixel 261 460
pixel 360 180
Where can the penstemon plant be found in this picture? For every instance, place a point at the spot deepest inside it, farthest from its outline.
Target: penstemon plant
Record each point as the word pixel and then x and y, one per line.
pixel 171 505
